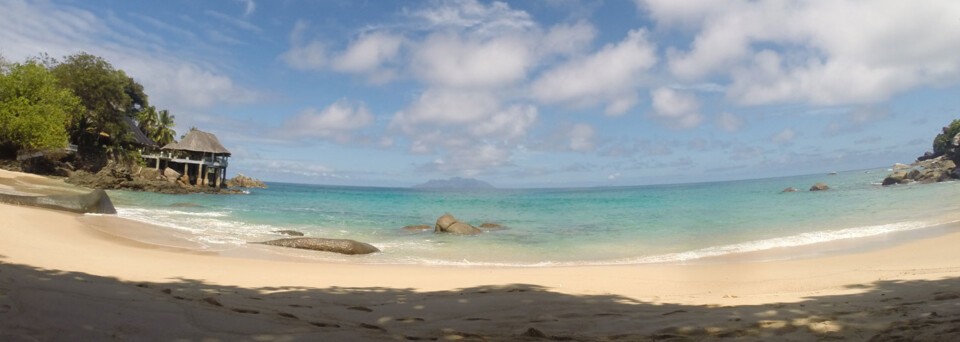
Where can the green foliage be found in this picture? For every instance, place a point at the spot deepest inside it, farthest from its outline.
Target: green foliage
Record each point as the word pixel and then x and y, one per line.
pixel 147 119
pixel 103 92
pixel 34 111
pixel 942 141
pixel 164 132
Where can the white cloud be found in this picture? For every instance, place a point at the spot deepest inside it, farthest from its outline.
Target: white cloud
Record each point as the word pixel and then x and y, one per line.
pixel 473 15
pixel 581 137
pixel 818 52
pixel 452 60
pixel 609 76
pixel 304 55
pixel 248 7
pixel 338 122
pixel 367 55
pixel 567 39
pixel 728 122
pixel 678 110
pixel 785 136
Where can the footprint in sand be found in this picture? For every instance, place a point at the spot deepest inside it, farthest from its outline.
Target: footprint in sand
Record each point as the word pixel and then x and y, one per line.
pixel 325 325
pixel 284 314
pixel 246 311
pixel 372 326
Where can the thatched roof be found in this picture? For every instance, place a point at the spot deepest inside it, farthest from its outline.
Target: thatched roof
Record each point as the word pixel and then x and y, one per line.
pixel 138 136
pixel 198 141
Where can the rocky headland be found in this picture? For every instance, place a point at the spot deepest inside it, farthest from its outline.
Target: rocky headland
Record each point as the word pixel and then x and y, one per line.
pixel 937 166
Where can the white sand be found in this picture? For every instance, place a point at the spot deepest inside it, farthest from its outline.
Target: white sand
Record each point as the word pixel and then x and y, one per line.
pixel 62 278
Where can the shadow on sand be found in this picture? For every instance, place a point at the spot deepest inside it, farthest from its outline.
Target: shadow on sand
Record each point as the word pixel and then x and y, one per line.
pixel 39 304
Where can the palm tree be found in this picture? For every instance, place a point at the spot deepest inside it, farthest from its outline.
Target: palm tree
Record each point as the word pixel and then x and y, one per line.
pixel 164 132
pixel 148 120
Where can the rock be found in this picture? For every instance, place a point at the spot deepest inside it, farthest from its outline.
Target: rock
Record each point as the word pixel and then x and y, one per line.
pixel 342 246
pixel 895 178
pixel 834 173
pixel 489 225
pixel 289 232
pixel 444 221
pixel 534 332
pixel 96 202
pixel 956 140
pixel 819 187
pixel 184 205
pixel 898 166
pixel 462 228
pixel 417 227
pixel 937 170
pixel 171 175
pixel 926 155
pixel 448 224
pixel 791 189
pixel 241 181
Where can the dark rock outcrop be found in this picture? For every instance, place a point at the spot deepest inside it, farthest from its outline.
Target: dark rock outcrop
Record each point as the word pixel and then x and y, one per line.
pixel 289 232
pixel 791 189
pixel 241 181
pixel 448 224
pixel 342 246
pixel 819 187
pixel 95 201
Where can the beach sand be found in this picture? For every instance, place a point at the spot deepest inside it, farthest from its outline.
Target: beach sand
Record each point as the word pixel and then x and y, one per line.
pixel 69 277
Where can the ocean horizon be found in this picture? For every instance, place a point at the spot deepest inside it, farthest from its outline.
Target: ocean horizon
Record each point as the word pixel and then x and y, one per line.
pixel 665 223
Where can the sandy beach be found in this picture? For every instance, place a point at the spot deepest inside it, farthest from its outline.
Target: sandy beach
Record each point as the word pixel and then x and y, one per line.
pixel 70 277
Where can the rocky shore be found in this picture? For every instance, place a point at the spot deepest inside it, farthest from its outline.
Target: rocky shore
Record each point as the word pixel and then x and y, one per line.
pixel 931 167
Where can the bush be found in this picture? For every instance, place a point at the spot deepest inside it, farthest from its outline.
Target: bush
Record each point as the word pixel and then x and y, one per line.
pixel 942 141
pixel 34 111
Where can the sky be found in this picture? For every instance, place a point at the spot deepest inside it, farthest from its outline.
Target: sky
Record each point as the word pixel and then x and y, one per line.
pixel 549 93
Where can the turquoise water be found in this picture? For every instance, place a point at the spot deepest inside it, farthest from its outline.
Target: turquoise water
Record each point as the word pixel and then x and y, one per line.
pixel 559 226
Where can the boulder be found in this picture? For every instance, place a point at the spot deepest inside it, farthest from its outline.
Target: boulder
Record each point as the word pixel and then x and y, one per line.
pixel 899 166
pixel 443 222
pixel 489 225
pixel 171 175
pixel 96 202
pixel 895 178
pixel 417 227
pixel 448 224
pixel 342 246
pixel 289 232
pixel 462 228
pixel 241 181
pixel 819 187
pixel 790 189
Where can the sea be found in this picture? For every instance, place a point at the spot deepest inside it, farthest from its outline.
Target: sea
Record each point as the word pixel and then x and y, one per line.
pixel 682 223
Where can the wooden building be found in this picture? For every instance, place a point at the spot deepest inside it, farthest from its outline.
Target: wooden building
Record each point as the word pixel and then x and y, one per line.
pixel 199 155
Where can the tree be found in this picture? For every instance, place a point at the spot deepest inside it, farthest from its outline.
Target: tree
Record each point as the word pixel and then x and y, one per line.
pixel 147 120
pixel 34 111
pixel 164 132
pixel 102 91
pixel 943 140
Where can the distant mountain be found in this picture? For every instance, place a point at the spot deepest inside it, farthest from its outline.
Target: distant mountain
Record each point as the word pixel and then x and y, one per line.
pixel 454 183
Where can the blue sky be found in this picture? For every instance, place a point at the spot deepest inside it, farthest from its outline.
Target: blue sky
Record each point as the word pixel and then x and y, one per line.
pixel 550 93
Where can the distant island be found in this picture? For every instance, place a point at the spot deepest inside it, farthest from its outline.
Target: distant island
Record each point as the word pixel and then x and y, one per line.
pixel 455 183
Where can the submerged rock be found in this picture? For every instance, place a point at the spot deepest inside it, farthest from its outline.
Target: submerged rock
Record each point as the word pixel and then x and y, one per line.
pixel 342 246
pixel 289 232
pixel 184 205
pixel 791 189
pixel 448 224
pixel 417 227
pixel 819 187
pixel 489 225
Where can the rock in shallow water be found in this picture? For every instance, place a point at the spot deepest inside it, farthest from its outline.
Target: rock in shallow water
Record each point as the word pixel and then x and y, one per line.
pixel 819 187
pixel 417 227
pixel 342 246
pixel 489 225
pixel 789 190
pixel 289 232
pixel 448 224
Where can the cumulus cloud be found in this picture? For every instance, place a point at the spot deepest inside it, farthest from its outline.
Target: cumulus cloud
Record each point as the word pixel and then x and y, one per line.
pixel 676 109
pixel 816 51
pixel 728 122
pixel 459 123
pixel 609 76
pixel 337 122
pixel 368 54
pixel 454 60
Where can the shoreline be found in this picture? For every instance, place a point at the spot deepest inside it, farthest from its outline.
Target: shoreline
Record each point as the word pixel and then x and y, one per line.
pixel 57 269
